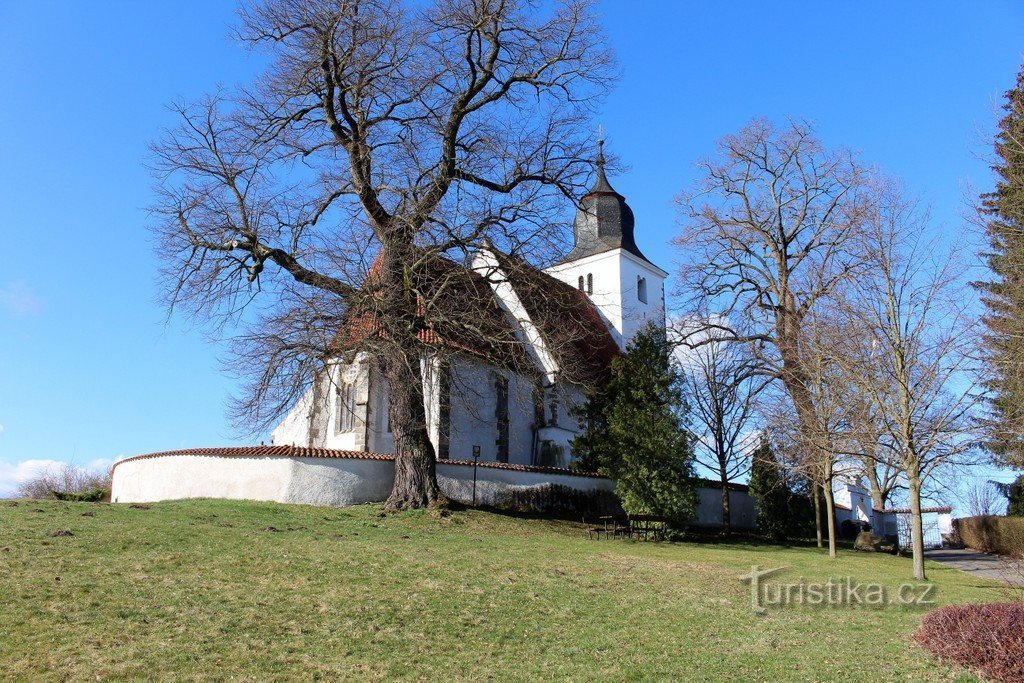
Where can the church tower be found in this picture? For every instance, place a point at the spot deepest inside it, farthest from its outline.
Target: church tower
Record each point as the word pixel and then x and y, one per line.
pixel 606 264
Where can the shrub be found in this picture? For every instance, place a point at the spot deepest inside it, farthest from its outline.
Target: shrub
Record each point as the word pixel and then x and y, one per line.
pixel 988 638
pixel 556 499
pixel 66 482
pixel 991 534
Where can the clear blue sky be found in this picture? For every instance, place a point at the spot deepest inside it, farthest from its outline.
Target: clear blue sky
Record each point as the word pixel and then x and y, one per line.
pixel 88 368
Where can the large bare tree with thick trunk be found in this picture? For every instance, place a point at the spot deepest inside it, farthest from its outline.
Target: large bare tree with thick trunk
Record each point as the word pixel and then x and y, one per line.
pixel 769 234
pixel 387 133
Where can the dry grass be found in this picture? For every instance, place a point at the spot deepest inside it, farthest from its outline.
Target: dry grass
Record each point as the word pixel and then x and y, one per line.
pixel 200 590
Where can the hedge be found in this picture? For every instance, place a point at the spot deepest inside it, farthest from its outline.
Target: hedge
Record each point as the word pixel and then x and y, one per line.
pixel 992 534
pixel 987 638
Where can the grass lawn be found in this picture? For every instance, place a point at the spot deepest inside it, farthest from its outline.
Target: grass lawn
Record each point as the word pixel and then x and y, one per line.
pixel 198 590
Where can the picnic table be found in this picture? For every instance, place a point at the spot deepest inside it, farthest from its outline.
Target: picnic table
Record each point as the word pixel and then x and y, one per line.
pixel 632 526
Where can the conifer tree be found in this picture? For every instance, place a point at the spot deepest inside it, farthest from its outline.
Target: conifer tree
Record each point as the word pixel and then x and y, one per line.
pixel 1003 294
pixel 770 490
pixel 637 431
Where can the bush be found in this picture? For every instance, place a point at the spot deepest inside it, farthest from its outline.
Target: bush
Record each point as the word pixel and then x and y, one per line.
pixel 988 638
pixel 66 482
pixel 556 499
pixel 991 534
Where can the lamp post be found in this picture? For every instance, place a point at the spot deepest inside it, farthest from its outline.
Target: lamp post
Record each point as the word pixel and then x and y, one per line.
pixel 476 459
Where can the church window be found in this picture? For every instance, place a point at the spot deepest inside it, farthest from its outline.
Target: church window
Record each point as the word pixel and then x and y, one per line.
pixel 553 406
pixel 501 416
pixel 538 407
pixel 582 287
pixel 444 422
pixel 641 289
pixel 345 399
pixel 590 283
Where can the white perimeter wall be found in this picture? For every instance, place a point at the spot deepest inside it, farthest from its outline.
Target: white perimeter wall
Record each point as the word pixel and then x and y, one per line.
pixel 312 481
pixel 709 508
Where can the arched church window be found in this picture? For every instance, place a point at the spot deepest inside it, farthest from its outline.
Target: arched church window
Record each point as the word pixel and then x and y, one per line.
pixel 590 283
pixel 345 399
pixel 582 289
pixel 641 289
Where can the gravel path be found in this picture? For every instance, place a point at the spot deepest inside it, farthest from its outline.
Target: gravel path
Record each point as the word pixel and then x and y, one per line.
pixel 980 564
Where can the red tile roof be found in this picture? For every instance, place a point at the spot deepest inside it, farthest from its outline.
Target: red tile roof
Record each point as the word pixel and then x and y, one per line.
pixel 573 329
pixel 571 325
pixel 330 453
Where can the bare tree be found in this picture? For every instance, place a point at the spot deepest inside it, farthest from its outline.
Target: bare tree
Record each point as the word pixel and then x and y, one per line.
pixel 317 207
pixel 721 389
pixel 983 499
pixel 918 338
pixel 769 235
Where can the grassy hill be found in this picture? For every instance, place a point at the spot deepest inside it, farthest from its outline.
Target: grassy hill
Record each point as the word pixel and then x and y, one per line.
pixel 254 591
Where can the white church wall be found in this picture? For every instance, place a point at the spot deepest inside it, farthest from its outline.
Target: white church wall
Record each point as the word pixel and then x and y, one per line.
pixel 604 269
pixel 636 313
pixel 615 276
pixel 294 428
pixel 473 405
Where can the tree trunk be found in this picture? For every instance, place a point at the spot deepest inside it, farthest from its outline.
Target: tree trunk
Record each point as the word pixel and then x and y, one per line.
pixel 726 519
pixel 916 526
pixel 877 500
pixel 415 462
pixel 795 379
pixel 830 516
pixel 816 498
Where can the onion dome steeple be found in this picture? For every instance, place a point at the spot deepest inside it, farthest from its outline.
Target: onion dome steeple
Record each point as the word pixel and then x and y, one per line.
pixel 604 220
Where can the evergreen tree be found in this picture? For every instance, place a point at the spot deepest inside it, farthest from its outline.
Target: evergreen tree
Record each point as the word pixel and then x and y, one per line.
pixel 770 490
pixel 1003 295
pixel 637 433
pixel 1015 496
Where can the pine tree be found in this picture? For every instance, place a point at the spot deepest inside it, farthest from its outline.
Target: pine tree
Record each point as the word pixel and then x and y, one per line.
pixel 637 432
pixel 770 491
pixel 1003 295
pixel 1015 498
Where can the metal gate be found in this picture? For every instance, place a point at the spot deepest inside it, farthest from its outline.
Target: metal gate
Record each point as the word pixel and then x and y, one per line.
pixel 929 528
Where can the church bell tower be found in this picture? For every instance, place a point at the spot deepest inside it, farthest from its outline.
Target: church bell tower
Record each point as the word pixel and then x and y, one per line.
pixel 606 264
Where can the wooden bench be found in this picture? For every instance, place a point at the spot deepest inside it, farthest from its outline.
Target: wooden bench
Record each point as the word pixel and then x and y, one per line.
pixel 611 527
pixel 648 526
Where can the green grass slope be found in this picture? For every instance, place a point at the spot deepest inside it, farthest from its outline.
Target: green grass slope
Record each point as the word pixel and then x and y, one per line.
pixel 201 590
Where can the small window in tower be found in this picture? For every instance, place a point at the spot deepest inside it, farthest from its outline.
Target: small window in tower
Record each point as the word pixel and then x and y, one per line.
pixel 582 289
pixel 590 283
pixel 641 289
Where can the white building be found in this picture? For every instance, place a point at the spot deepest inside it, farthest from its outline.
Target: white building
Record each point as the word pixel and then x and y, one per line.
pixel 512 392
pixel 579 313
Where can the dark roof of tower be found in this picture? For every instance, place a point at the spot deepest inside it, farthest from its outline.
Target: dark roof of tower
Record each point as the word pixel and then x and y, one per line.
pixel 604 220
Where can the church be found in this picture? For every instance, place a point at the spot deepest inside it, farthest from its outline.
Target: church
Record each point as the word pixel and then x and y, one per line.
pixel 570 321
pixel 502 427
